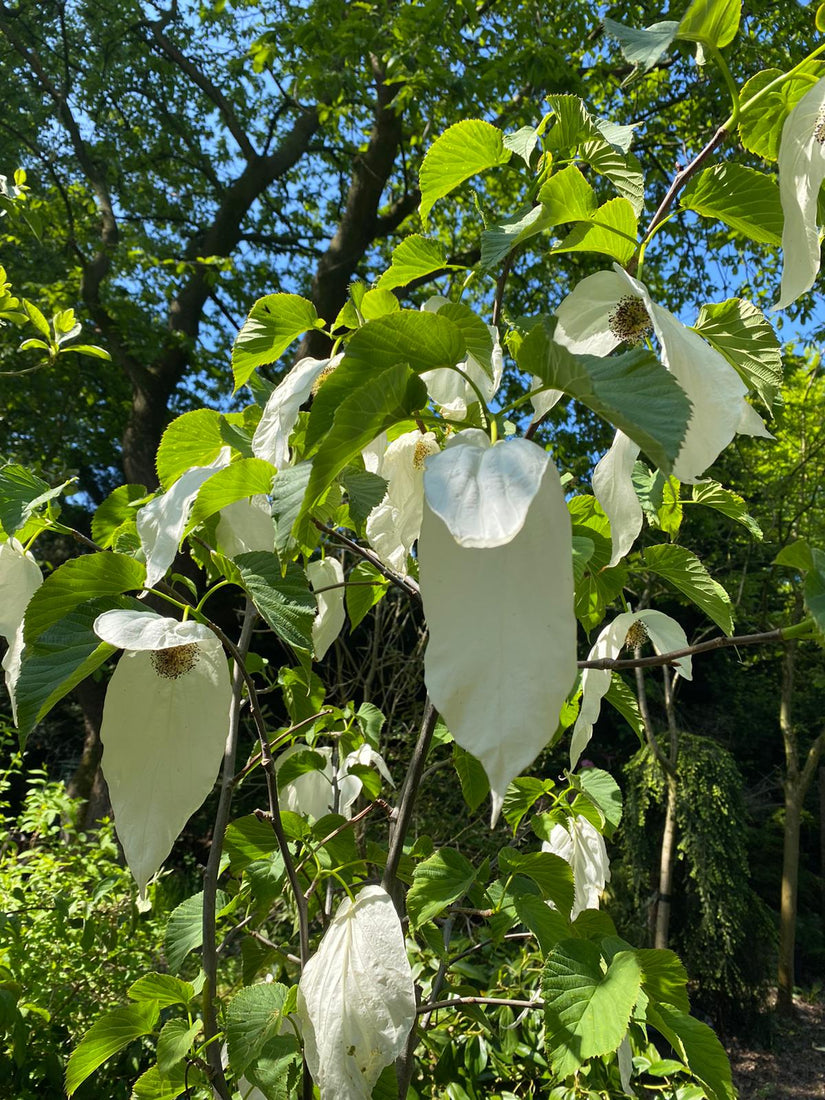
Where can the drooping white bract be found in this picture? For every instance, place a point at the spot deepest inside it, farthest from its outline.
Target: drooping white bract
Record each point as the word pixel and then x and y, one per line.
pixel 582 846
pixel 610 307
pixel 544 400
pixel 356 1000
pixel 501 655
pixel 451 393
pixel 245 526
pixel 801 172
pixel 483 492
pixel 330 616
pixel 613 488
pixel 161 522
pixel 313 792
pixel 20 577
pixel 393 525
pixel 666 636
pixel 271 438
pixel 165 723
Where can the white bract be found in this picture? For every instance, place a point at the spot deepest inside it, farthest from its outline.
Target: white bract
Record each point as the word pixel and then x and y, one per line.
pixel 330 616
pixel 501 654
pixel 665 635
pixel 582 846
pixel 394 525
pixel 610 307
pixel 801 172
pixel 271 438
pixel 614 490
pixel 313 792
pixel 356 1000
pixel 165 723
pixel 20 577
pixel 245 526
pixel 453 394
pixel 161 522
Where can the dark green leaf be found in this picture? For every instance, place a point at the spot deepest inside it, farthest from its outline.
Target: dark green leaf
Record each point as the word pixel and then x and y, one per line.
pixel 471 775
pixel 550 872
pixel 284 601
pixel 684 571
pixel 697 1046
pixel 21 494
pixel 253 1017
pixel 437 882
pixel 116 514
pixel 184 929
pixel 77 581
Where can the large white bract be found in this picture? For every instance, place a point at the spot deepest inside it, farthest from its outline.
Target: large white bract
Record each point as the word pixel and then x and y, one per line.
pixel 356 1000
pixel 614 490
pixel 161 522
pixel 609 308
pixel 314 792
pixel 582 846
pixel 165 723
pixel 801 172
pixel 394 525
pixel 665 635
pixel 20 577
pixel 501 655
pixel 330 616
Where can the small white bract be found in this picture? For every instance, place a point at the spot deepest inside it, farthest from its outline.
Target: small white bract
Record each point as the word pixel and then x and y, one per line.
pixel 330 617
pixel 245 526
pixel 451 393
pixel 313 792
pixel 356 1000
pixel 165 723
pixel 394 525
pixel 271 438
pixel 665 635
pixel 20 577
pixel 582 846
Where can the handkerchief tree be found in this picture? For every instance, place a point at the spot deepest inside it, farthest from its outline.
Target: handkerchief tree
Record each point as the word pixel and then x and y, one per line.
pixel 396 462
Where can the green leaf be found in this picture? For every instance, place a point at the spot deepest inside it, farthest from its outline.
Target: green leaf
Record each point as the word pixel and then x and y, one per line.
pixel 115 514
pixel 174 1043
pixel 630 390
pixel 623 170
pixel 21 494
pixel 586 1010
pixel 277 1072
pixel 253 1017
pixel 665 978
pixel 797 555
pixel 422 340
pixel 245 478
pixel 61 657
pixel 642 47
pixel 364 490
pixel 249 840
pixel 38 320
pixel 437 882
pixel 367 586
pixel 760 126
pixel 742 198
pixel 568 197
pixel 462 151
pixel 184 929
pixel 92 350
pixel 378 303
pixel 164 989
pixel 684 571
pixel 520 796
pixel 742 333
pixel 471 775
pixel 153 1085
pixel 624 700
pixel 603 789
pixel 669 516
pixel 819 18
pixel 106 1037
pixel 611 231
pixel 583 550
pixel 415 258
pixel 193 439
pixel 730 504
pixel 522 142
pixel 75 582
pixel 500 239
pixel 546 924
pixel 713 21
pixel 273 323
pixel 697 1046
pixel 552 874
pixel 284 600
pixel 815 589
pixel 287 496
pixel 474 332
pixel 389 395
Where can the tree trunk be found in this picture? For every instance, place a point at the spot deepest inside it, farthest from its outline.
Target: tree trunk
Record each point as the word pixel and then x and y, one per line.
pixel 88 782
pixel 666 860
pixel 788 899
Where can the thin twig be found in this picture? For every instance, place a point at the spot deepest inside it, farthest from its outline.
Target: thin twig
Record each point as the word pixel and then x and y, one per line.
pixel 459 1002
pixel 615 664
pixel 406 584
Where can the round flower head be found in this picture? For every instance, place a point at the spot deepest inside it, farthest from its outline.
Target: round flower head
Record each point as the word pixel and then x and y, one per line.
pixel 165 722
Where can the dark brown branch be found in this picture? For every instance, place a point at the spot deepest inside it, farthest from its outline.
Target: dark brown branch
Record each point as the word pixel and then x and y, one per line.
pixel 615 664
